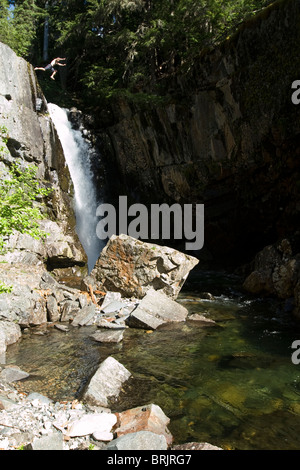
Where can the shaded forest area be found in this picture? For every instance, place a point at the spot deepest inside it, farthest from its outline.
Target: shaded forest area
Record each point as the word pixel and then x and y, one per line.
pixel 118 48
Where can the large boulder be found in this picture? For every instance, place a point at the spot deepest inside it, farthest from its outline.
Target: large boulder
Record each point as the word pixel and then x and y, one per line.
pixel 132 267
pixel 106 383
pixel 155 309
pixel 276 272
pixel 144 418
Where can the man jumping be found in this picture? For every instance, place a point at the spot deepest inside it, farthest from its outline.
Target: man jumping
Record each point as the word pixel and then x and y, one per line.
pixel 51 66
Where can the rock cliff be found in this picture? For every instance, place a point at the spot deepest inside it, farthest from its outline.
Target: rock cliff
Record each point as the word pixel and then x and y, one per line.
pixel 227 136
pixel 31 139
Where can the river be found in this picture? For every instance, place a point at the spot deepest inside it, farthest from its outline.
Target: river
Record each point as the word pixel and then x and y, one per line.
pixel 232 384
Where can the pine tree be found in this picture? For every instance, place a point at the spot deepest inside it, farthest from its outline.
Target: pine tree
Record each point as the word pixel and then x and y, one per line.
pixel 6 29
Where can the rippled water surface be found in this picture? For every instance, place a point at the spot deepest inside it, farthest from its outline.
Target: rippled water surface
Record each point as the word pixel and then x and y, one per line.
pixel 232 384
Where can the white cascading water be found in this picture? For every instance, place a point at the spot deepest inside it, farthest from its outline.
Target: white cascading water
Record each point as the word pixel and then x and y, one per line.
pixel 77 155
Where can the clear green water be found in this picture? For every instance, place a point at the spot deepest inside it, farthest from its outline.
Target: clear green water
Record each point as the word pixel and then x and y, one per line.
pixel 233 385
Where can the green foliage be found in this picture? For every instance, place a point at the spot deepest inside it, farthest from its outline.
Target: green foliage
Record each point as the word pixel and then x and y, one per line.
pixel 117 45
pixel 113 46
pixel 19 210
pixel 4 289
pixel 3 139
pixel 6 30
pixel 18 25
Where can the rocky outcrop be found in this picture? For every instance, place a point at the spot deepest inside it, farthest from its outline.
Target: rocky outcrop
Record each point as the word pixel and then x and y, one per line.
pixel 227 136
pixel 36 297
pixel 275 271
pixel 31 139
pixel 132 267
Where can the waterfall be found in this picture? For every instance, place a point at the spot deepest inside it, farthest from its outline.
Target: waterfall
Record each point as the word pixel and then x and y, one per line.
pixel 77 154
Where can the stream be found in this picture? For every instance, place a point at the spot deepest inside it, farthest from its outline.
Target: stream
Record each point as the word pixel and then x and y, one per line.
pixel 232 384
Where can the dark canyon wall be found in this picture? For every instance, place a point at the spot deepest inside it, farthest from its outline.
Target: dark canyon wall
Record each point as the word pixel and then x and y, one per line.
pixel 228 136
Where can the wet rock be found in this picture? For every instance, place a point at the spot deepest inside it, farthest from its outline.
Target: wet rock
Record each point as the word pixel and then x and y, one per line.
pixel 201 318
pixel 144 320
pixel 141 440
pixel 196 446
pixel 132 267
pixel 48 280
pixel 113 307
pixel 155 309
pixel 62 327
pixel 206 296
pixel 13 374
pixel 144 418
pixel 106 383
pixel 109 324
pixel 109 336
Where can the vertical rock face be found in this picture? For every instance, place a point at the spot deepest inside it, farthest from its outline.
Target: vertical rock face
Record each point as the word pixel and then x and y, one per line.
pixel 32 139
pixel 228 136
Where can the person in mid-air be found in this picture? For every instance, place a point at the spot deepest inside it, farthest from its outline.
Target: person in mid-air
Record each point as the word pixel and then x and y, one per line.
pixel 51 66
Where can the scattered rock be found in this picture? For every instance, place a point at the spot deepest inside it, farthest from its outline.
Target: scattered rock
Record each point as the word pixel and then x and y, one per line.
pixel 70 309
pixel 141 440
pixel 106 323
pixel 110 336
pixel 85 316
pixel 60 327
pixel 37 396
pixel 155 309
pixel 53 441
pixel 92 423
pixel 7 403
